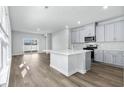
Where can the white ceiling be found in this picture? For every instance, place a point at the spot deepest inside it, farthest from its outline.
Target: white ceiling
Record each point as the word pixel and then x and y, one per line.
pixel 55 18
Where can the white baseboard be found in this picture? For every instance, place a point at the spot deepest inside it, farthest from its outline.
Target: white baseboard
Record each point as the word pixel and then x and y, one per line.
pixel 20 53
pixel 69 73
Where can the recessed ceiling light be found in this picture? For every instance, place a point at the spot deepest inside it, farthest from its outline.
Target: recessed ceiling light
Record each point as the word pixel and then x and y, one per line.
pixel 105 7
pixel 79 22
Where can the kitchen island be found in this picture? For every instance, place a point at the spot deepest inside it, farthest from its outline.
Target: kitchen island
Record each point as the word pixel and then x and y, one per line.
pixel 69 62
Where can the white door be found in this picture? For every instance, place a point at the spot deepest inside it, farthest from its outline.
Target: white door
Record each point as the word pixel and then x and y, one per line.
pixel 119 31
pixel 100 33
pixel 109 32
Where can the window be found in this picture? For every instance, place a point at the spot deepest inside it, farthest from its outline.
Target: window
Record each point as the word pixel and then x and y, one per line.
pixel 4 45
pixel 0 51
pixel 0 55
pixel 30 45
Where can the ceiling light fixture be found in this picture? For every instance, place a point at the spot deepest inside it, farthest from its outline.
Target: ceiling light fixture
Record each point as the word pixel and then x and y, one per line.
pixel 79 22
pixel 105 7
pixel 45 7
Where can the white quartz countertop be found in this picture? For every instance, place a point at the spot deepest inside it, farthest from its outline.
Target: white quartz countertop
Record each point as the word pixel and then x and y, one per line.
pixel 69 52
pixel 111 49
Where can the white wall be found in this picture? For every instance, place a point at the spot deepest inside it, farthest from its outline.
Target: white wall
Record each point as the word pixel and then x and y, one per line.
pixel 60 40
pixel 17 41
pixel 49 42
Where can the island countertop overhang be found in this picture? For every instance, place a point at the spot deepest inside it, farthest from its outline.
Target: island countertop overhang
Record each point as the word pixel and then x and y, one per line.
pixel 69 52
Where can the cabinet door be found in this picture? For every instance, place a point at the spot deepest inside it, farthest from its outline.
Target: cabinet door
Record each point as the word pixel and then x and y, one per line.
pixel 77 33
pixel 91 30
pixel 82 35
pixel 109 32
pixel 73 37
pixel 98 55
pixel 100 33
pixel 123 61
pixel 119 31
pixel 108 57
pixel 119 59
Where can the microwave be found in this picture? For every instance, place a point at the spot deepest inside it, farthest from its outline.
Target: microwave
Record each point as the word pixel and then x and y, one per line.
pixel 89 39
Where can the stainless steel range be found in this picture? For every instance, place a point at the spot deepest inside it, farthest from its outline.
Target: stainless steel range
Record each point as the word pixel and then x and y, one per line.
pixel 91 47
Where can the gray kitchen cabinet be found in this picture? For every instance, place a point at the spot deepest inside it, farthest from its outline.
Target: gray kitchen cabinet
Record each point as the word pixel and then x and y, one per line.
pixel 118 58
pixel 98 55
pixel 119 31
pixel 82 35
pixel 75 36
pixel 123 59
pixel 89 30
pixel 77 39
pixel 108 57
pixel 99 33
pixel 114 57
pixel 78 34
pixel 109 32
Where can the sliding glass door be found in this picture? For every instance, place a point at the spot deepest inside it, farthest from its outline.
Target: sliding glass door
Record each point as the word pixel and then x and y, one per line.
pixel 30 45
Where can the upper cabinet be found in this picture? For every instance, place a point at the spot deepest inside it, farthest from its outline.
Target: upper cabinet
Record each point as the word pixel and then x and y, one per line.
pixel 75 36
pixel 110 31
pixel 100 33
pixel 119 31
pixel 90 30
pixel 107 31
pixel 78 34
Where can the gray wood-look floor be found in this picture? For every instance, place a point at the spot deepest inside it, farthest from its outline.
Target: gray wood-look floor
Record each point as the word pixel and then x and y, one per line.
pixel 41 75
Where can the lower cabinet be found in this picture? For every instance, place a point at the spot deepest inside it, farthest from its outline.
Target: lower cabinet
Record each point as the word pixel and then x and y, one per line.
pixel 98 55
pixel 110 57
pixel 119 59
